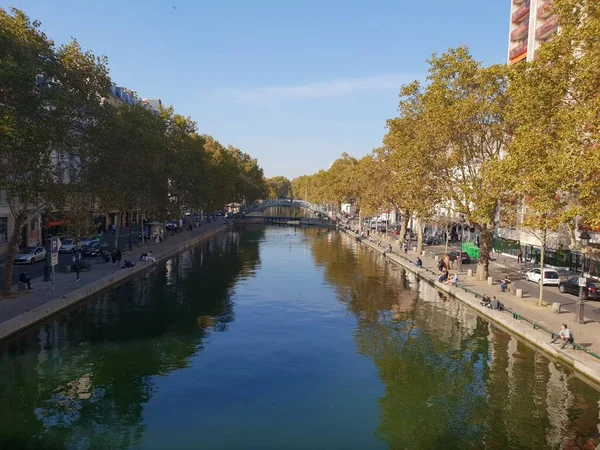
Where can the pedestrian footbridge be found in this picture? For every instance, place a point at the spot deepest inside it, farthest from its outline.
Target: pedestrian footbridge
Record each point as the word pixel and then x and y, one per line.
pixel 286 202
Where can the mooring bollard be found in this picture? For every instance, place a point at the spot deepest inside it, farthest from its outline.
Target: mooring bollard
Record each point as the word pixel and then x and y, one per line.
pixel 519 293
pixel 436 258
pixel 423 253
pixel 414 249
pixel 556 307
pixel 490 280
pixel 469 272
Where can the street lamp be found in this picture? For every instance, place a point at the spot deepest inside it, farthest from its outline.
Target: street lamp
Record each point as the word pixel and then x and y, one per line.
pixel 584 238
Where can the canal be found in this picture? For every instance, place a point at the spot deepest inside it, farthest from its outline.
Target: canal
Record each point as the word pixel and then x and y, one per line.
pixel 277 338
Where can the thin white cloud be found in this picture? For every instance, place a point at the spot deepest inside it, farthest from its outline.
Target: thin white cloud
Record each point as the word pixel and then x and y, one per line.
pixel 270 95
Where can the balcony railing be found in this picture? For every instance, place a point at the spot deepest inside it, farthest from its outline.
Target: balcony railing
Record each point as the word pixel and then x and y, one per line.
pixel 547 29
pixel 520 32
pixel 518 2
pixel 545 10
pixel 520 14
pixel 518 50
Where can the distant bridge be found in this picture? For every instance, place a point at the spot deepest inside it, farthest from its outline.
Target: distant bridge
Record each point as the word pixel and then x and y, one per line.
pixel 286 202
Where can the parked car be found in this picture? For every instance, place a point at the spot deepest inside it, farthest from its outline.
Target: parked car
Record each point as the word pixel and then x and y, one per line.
pixel 95 248
pixel 571 286
pixel 433 240
pixel 466 259
pixel 146 233
pixel 551 276
pixel 30 255
pixel 87 241
pixel 68 246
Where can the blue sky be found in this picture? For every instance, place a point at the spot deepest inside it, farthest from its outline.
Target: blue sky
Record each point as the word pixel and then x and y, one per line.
pixel 293 83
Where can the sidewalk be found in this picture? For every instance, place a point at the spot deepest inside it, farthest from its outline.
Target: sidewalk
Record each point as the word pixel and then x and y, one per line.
pixel 586 335
pixel 101 274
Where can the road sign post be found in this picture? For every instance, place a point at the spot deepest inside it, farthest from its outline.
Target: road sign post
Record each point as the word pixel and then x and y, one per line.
pixel 54 247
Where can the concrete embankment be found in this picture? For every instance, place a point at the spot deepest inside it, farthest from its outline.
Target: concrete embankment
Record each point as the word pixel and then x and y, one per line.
pixel 28 318
pixel 584 364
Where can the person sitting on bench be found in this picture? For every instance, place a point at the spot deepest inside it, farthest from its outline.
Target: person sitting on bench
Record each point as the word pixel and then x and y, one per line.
pixel 388 249
pixel 23 278
pixel 504 283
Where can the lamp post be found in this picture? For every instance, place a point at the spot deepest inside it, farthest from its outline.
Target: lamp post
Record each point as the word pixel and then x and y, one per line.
pixel 584 238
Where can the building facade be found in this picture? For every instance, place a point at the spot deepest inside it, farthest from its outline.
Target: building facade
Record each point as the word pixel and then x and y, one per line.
pixel 531 24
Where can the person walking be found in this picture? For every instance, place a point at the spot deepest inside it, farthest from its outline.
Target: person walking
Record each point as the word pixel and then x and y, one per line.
pixel 113 256
pixel 118 256
pixel 76 264
pixel 519 256
pixel 565 335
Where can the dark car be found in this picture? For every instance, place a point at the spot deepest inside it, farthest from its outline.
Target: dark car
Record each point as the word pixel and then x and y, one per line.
pixel 590 292
pixel 466 259
pixel 433 240
pixel 95 248
pixel 172 225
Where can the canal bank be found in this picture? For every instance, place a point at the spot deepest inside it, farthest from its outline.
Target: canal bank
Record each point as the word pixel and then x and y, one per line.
pixel 470 293
pixel 21 312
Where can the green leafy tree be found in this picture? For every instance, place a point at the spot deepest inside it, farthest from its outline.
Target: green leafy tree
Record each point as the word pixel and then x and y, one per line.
pixel 278 187
pixel 48 96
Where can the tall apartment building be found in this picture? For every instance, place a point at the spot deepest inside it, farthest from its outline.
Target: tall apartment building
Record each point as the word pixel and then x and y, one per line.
pixel 531 24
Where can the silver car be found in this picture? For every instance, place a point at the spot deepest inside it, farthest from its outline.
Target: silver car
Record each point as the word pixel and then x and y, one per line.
pixel 30 255
pixel 68 246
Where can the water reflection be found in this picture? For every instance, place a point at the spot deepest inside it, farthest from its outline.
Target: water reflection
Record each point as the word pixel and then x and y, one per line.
pixel 81 380
pixel 452 380
pixel 328 345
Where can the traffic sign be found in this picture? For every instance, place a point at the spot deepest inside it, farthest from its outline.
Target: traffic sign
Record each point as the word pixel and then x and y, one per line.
pixel 54 247
pixel 582 281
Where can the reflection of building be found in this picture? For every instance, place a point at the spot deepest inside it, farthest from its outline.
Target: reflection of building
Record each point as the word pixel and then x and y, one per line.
pixel 531 24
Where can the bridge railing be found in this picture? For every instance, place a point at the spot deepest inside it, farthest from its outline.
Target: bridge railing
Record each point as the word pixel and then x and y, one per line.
pixel 284 202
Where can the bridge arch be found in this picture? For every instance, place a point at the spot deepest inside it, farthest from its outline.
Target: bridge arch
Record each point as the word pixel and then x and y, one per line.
pixel 286 202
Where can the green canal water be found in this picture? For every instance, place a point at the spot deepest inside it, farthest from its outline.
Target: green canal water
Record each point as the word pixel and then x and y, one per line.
pixel 283 338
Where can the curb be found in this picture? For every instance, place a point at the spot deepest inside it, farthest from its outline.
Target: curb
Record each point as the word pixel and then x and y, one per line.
pixel 40 313
pixel 589 369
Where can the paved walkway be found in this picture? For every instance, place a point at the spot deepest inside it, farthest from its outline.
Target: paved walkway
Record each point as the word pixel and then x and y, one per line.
pixel 587 335
pixel 65 282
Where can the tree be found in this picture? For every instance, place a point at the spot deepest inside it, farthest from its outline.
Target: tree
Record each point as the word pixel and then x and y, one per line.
pixel 278 187
pixel 125 165
pixel 464 109
pixel 48 96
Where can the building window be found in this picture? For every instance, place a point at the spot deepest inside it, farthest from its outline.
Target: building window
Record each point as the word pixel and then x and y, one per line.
pixel 3 230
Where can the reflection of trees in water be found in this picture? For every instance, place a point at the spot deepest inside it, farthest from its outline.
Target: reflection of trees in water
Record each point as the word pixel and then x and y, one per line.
pixel 451 380
pixel 81 379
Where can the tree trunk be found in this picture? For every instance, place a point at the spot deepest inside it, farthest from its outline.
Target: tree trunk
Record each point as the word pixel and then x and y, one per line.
pixel 419 237
pixel 403 227
pixel 542 255
pixel 142 228
pixel 116 236
pixel 11 253
pixel 487 243
pixel 447 238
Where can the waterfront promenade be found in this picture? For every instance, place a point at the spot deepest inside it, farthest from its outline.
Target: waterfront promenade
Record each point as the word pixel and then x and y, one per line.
pixel 31 306
pixel 586 335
